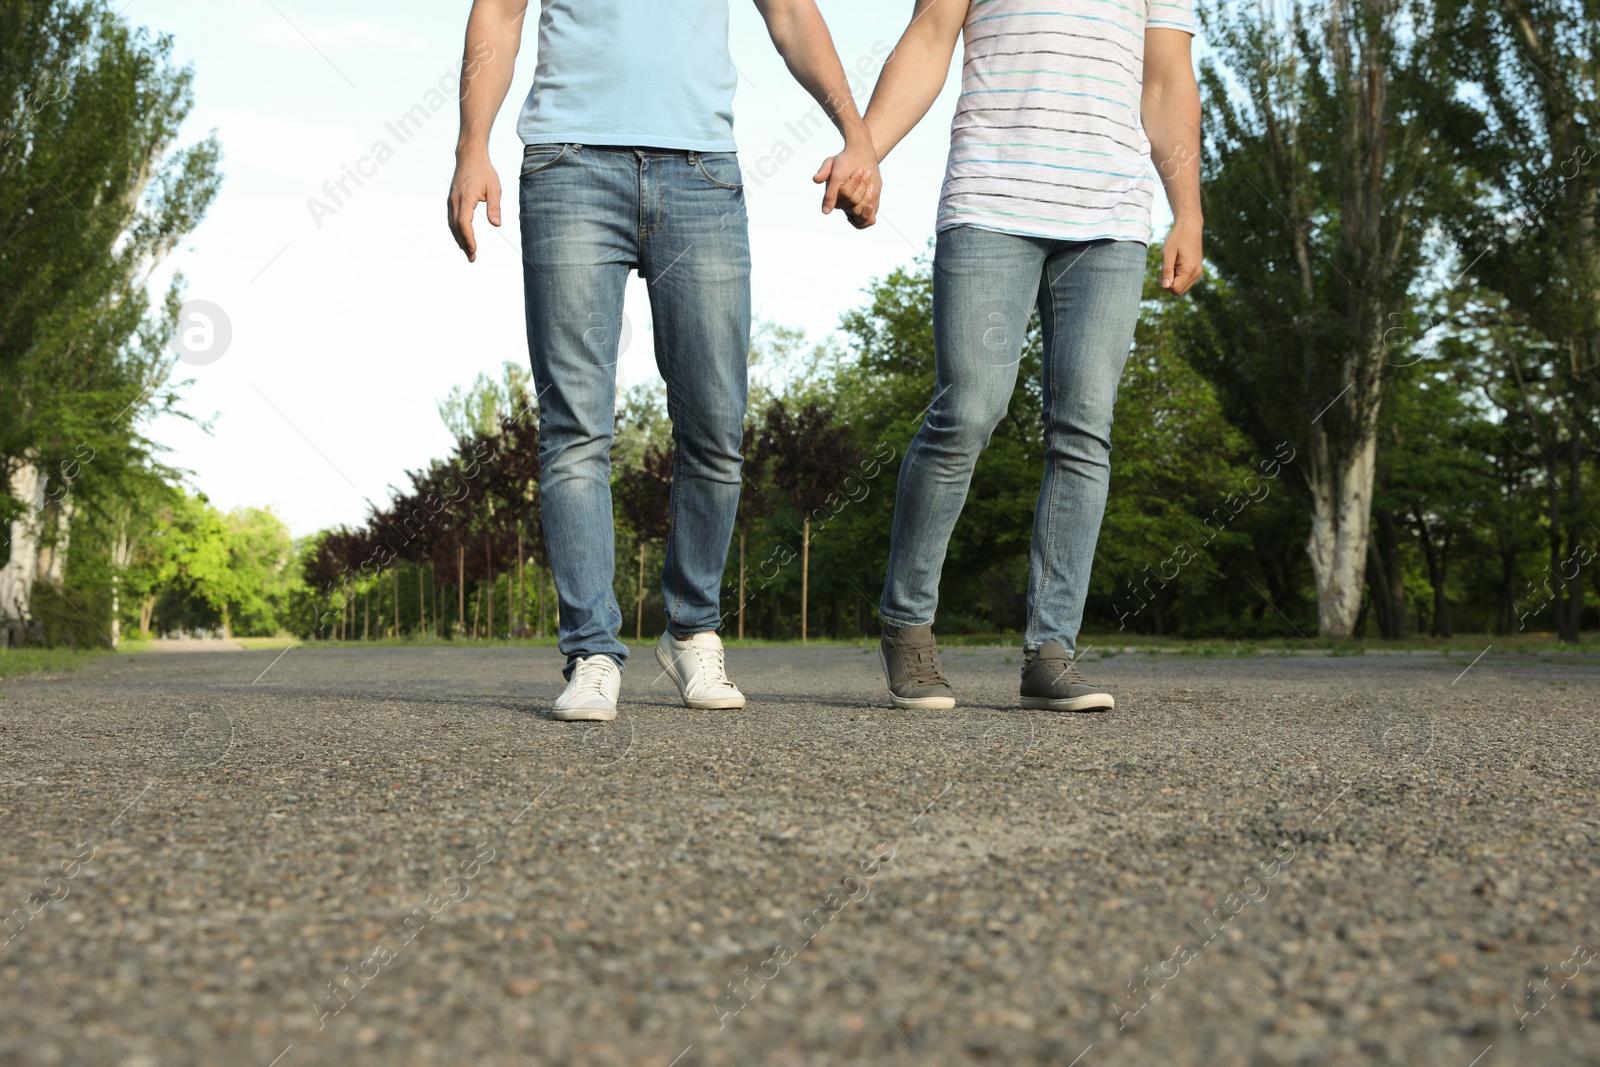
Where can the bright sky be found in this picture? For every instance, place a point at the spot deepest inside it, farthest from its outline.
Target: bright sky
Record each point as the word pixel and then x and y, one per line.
pixel 346 329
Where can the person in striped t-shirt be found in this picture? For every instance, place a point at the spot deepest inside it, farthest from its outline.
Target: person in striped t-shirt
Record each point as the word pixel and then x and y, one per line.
pixel 1064 105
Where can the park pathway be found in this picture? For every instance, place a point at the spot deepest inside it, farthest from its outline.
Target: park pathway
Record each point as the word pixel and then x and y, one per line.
pixel 391 856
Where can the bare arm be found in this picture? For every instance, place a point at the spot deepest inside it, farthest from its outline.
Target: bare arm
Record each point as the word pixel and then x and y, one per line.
pixel 802 39
pixel 915 72
pixel 1170 111
pixel 494 34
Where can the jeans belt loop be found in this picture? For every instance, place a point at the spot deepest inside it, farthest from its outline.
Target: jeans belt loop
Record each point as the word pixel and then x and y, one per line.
pixel 694 158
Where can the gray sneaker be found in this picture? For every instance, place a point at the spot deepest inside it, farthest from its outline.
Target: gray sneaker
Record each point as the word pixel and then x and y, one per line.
pixel 1051 682
pixel 911 664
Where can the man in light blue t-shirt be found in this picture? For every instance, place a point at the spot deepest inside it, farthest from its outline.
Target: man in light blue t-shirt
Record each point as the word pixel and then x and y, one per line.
pixel 629 164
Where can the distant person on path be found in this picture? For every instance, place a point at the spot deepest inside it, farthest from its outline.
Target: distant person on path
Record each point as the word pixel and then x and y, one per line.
pixel 1046 202
pixel 629 164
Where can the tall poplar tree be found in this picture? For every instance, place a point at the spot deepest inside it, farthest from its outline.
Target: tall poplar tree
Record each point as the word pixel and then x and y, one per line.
pixel 1323 178
pixel 93 193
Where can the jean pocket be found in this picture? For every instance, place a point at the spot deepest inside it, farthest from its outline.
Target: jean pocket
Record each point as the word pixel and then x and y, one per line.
pixel 721 169
pixel 537 157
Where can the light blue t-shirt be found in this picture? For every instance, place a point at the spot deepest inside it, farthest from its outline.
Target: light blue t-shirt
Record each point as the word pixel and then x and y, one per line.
pixel 643 73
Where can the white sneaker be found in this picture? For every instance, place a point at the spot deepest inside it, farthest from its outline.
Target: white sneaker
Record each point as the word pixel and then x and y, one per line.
pixel 696 665
pixel 591 693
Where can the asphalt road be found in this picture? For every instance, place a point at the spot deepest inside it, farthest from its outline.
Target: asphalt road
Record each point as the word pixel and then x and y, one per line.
pixel 391 856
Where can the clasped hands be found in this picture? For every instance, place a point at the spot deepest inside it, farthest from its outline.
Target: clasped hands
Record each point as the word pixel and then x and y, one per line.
pixel 852 183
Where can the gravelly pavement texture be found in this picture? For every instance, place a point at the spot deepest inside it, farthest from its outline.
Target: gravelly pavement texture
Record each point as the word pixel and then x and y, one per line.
pixel 392 856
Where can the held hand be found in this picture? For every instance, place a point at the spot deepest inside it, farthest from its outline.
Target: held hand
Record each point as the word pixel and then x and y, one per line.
pixel 853 197
pixel 857 165
pixel 1180 256
pixel 475 182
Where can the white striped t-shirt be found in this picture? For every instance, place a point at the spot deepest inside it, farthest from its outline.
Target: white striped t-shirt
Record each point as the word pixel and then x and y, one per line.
pixel 1047 140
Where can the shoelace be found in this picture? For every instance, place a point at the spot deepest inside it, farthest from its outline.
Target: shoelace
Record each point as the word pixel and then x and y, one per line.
pixel 922 664
pixel 713 665
pixel 591 675
pixel 1063 668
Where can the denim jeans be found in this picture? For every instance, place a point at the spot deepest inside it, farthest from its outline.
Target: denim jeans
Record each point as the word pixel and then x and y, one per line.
pixel 589 216
pixel 984 284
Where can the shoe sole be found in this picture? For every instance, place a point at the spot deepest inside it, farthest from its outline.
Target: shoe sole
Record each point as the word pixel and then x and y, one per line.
pixel 923 703
pixel 913 703
pixel 702 703
pixel 1097 702
pixel 584 714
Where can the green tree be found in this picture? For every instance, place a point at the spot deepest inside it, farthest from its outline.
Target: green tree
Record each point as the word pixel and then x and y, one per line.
pixel 479 407
pixel 807 457
pixel 1328 174
pixel 1434 483
pixel 1535 236
pixel 150 560
pixel 92 195
pixel 201 567
pixel 261 569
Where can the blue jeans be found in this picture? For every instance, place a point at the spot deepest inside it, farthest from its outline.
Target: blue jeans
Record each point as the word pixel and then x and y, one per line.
pixel 589 216
pixel 984 284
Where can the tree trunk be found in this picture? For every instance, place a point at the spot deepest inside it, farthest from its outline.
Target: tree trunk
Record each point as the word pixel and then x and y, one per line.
pixel 488 618
pixel 366 615
pixel 461 586
pixel 396 591
pixel 1341 512
pixel 52 565
pixel 422 608
pixel 1565 616
pixel 1560 589
pixel 1574 620
pixel 805 575
pixel 1507 617
pixel 147 608
pixel 16 577
pixel 122 547
pixel 638 611
pixel 1378 582
pixel 1443 626
pixel 1387 578
pixel 1594 577
pixel 1375 171
pixel 522 592
pixel 1571 622
pixel 741 585
pixel 1434 555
